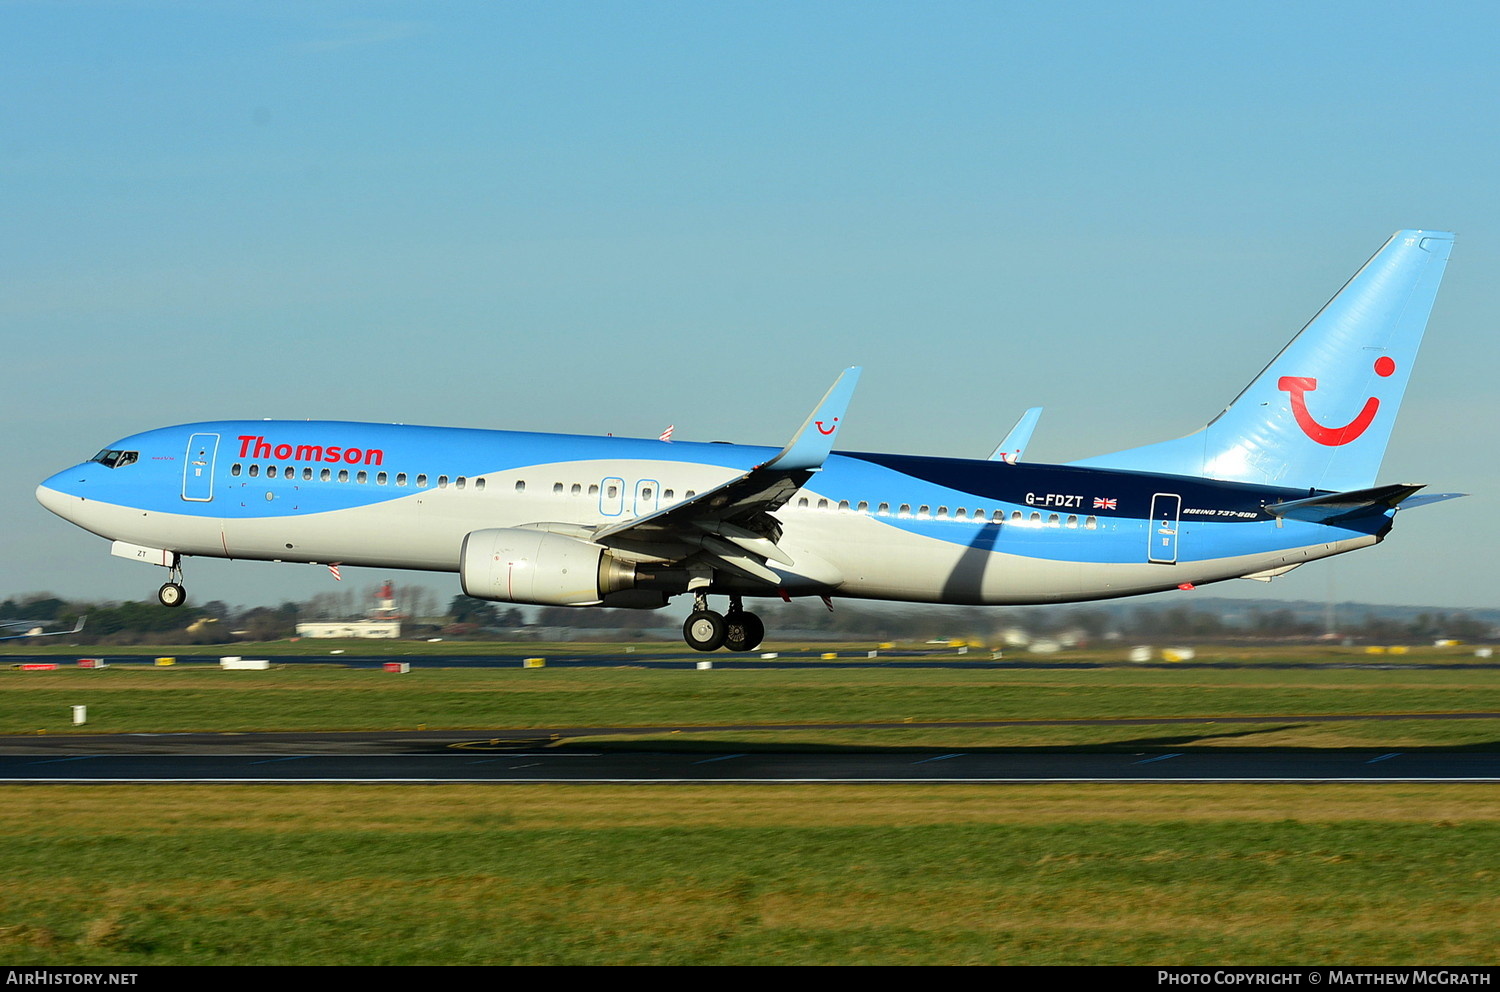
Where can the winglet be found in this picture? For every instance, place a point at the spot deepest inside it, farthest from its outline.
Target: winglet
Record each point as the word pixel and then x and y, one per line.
pixel 807 450
pixel 1014 445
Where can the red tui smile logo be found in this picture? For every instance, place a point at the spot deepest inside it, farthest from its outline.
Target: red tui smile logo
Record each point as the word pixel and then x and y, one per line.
pixel 1299 386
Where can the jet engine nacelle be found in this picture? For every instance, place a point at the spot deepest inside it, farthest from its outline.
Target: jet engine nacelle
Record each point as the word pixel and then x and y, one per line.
pixel 538 568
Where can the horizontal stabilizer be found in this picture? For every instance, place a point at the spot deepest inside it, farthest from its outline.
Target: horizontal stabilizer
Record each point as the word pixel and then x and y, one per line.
pixel 1427 498
pixel 1341 506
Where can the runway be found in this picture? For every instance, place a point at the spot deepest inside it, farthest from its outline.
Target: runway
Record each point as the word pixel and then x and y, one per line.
pixel 547 756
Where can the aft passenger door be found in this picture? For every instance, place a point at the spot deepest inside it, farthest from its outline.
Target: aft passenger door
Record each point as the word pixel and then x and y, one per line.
pixel 198 467
pixel 1166 513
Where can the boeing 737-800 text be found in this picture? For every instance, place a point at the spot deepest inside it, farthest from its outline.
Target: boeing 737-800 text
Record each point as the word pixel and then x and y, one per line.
pixel 1285 475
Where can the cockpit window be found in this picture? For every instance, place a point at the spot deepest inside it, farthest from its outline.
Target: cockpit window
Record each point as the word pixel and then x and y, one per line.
pixel 115 459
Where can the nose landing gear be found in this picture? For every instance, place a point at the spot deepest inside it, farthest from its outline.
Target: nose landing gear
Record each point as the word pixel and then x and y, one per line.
pixel 171 592
pixel 706 630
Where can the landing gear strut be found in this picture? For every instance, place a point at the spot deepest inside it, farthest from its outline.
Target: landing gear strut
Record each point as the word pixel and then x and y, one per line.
pixel 706 630
pixel 171 593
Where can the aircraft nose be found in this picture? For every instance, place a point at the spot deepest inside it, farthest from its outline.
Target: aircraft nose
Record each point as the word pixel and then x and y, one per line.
pixel 59 493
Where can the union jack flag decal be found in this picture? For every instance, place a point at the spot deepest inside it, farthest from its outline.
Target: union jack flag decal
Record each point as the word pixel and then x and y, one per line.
pixel 1100 503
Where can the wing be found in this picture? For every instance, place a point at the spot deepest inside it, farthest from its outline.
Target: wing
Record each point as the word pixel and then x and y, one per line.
pixel 34 628
pixel 731 525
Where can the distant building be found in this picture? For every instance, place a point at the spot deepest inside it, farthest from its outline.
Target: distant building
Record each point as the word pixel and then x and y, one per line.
pixel 351 628
pixel 384 622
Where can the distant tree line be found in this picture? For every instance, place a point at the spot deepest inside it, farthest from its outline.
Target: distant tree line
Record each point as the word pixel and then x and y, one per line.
pixel 216 622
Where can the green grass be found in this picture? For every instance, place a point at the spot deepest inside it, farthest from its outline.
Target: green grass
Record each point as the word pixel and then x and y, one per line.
pixel 300 697
pixel 1114 873
pixel 1104 874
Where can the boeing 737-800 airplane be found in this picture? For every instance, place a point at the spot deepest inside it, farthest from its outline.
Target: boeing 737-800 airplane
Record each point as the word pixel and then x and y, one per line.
pixel 1285 475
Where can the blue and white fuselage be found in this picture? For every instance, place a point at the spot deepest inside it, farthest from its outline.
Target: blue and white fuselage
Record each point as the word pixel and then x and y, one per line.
pixel 867 525
pixel 1282 477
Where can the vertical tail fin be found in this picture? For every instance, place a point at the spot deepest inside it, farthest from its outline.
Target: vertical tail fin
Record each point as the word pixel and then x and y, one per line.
pixel 1320 414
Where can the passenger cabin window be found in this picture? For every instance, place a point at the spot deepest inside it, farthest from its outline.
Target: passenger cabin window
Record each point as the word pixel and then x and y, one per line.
pixel 883 509
pixel 325 475
pixel 254 471
pixel 422 481
pixel 307 475
pixel 362 477
pixel 400 478
pixel 234 469
pixel 380 478
pixel 520 483
pixel 577 490
pixel 343 475
pixel 802 503
pixel 270 471
pixel 460 482
pixel 479 483
pixel 557 488
pixel 443 483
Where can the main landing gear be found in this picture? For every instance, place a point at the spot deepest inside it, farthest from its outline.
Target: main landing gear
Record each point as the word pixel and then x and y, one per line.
pixel 171 592
pixel 737 630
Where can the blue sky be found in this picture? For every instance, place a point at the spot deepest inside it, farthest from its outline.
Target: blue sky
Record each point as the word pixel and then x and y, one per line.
pixel 613 216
